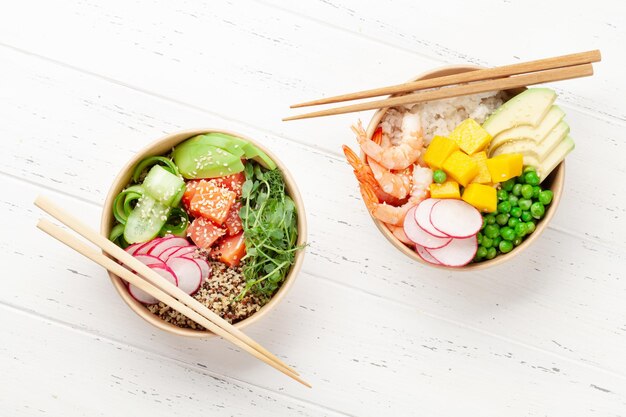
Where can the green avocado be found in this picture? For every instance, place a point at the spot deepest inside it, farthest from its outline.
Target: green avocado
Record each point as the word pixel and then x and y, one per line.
pixel 198 159
pixel 555 157
pixel 534 153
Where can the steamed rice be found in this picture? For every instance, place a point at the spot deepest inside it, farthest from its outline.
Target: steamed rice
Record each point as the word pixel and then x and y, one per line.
pixel 440 117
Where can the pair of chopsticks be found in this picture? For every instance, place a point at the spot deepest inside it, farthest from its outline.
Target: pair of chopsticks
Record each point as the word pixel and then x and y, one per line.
pixel 558 68
pixel 152 283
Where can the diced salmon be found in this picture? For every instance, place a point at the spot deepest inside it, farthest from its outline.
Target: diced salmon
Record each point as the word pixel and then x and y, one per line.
pixel 231 249
pixel 204 233
pixel 233 221
pixel 233 182
pixel 211 202
pixel 190 190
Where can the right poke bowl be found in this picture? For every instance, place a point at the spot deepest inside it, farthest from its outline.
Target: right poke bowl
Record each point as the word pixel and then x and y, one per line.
pixel 466 182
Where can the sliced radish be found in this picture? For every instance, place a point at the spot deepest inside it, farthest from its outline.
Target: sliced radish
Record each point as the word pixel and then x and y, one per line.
pixel 169 252
pixel 144 248
pixel 459 252
pixel 204 266
pixel 422 217
pixel 423 253
pixel 166 243
pixel 133 248
pixel 144 297
pixel 149 260
pixel 419 236
pixel 188 272
pixel 187 251
pixel 456 218
pixel 398 232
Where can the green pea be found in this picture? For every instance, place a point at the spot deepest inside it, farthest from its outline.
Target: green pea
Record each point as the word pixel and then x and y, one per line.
pixel 529 169
pixel 537 210
pixel 526 216
pixel 491 218
pixel 524 204
pixel 507 233
pixel 531 178
pixel 497 241
pixel 487 242
pixel 508 184
pixel 513 200
pixel 439 176
pixel 484 224
pixel 520 179
pixel 505 246
pixel 502 219
pixel 527 191
pixel 517 241
pixel 481 252
pixel 530 227
pixel 513 221
pixel 492 231
pixel 479 238
pixel 516 212
pixel 504 207
pixel 491 253
pixel 502 195
pixel 536 191
pixel 545 197
pixel 517 189
pixel 520 229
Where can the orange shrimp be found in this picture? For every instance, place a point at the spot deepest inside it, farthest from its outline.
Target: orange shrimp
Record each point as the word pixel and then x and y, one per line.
pixel 396 184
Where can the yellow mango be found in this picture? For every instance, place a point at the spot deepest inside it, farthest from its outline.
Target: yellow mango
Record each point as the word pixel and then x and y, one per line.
pixel 505 166
pixel 438 151
pixel 483 197
pixel 470 136
pixel 483 176
pixel 460 167
pixel 448 189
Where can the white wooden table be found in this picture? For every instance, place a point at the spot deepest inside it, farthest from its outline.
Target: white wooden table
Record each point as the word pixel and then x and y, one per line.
pixel 86 83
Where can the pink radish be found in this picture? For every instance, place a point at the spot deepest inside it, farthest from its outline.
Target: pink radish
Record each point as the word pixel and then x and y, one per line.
pixel 456 218
pixel 398 232
pixel 144 297
pixel 204 266
pixel 133 248
pixel 423 253
pixel 188 272
pixel 459 252
pixel 422 217
pixel 144 248
pixel 420 236
pixel 167 243
pixel 187 251
pixel 169 251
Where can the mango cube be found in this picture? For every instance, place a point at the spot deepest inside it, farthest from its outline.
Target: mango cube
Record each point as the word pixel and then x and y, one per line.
pixel 460 167
pixel 448 189
pixel 505 166
pixel 438 151
pixel 470 136
pixel 483 177
pixel 483 197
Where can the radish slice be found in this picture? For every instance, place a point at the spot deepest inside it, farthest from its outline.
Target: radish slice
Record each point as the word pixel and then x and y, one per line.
pixel 144 297
pixel 456 218
pixel 133 248
pixel 188 272
pixel 419 236
pixel 459 252
pixel 167 243
pixel 204 266
pixel 423 253
pixel 144 248
pixel 169 252
pixel 149 260
pixel 187 251
pixel 422 217
pixel 398 232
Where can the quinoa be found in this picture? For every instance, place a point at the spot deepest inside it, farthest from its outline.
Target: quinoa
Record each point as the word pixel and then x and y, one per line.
pixel 218 293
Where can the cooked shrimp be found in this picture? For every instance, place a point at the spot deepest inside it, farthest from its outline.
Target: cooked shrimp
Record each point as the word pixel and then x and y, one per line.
pixel 395 184
pixel 364 175
pixel 387 213
pixel 398 232
pixel 397 156
pixel 422 178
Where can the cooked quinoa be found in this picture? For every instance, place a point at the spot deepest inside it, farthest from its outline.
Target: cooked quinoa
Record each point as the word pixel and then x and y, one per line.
pixel 218 293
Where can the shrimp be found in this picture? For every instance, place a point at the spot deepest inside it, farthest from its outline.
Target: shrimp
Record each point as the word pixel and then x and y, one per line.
pixel 395 184
pixel 394 215
pixel 364 175
pixel 398 232
pixel 398 156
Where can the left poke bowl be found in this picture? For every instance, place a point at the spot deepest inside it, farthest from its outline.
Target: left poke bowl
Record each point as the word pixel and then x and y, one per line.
pixel 215 213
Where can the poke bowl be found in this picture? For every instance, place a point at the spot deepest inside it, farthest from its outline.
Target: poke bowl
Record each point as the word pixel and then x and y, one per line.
pixel 215 213
pixel 502 135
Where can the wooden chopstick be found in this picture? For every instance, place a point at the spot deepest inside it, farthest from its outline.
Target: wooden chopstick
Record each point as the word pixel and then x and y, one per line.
pixel 190 307
pixel 464 77
pixel 517 81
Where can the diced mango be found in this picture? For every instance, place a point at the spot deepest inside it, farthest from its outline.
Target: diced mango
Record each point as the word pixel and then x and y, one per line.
pixel 505 166
pixel 438 151
pixel 483 197
pixel 448 189
pixel 460 167
pixel 470 136
pixel 483 176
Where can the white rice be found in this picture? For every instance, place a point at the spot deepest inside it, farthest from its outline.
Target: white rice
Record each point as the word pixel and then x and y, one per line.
pixel 440 117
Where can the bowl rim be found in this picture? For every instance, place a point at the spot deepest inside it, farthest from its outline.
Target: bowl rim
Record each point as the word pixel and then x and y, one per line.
pixel 558 176
pixel 168 141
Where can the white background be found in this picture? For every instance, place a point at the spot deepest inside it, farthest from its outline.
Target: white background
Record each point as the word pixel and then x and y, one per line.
pixel 84 84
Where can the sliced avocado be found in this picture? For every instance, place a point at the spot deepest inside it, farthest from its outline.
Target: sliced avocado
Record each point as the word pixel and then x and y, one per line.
pixel 535 152
pixel 228 143
pixel 200 160
pixel 536 134
pixel 555 157
pixel 526 108
pixel 253 152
